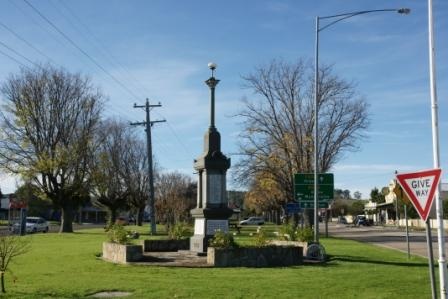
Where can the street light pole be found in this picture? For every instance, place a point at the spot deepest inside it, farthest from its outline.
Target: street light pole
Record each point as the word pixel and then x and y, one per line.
pixel 336 18
pixel 316 133
pixel 435 148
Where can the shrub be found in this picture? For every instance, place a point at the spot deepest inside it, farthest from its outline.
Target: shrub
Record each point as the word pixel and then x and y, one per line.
pixel 179 231
pixel 288 232
pixel 117 234
pixel 222 240
pixel 260 239
pixel 305 234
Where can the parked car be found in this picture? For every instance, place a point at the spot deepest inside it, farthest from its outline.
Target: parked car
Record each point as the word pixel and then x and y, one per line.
pixel 342 220
pixel 361 220
pixel 252 221
pixel 33 225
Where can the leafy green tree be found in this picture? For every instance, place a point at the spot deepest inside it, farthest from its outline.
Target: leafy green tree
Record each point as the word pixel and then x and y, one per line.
pixel 376 196
pixel 46 133
pixel 38 205
pixel 357 195
pixel 339 207
pixel 357 207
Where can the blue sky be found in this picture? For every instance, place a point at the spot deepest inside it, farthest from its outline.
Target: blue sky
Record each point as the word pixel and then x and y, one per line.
pixel 160 50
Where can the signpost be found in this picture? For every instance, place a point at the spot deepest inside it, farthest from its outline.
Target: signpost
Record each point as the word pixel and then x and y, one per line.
pixel 304 189
pixel 292 208
pixel 420 187
pixel 304 193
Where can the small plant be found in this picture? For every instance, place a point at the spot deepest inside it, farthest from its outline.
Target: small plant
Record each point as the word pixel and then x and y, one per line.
pixel 10 247
pixel 260 239
pixel 288 232
pixel 305 234
pixel 179 231
pixel 222 240
pixel 117 234
pixel 133 234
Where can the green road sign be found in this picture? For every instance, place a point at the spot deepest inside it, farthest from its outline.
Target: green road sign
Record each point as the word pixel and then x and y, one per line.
pixel 304 187
pixel 310 205
pixel 308 179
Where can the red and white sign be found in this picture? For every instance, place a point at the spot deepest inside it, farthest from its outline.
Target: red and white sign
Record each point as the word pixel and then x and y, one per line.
pixel 420 187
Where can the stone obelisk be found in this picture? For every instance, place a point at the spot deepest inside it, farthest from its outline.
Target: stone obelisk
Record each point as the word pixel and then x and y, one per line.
pixel 211 212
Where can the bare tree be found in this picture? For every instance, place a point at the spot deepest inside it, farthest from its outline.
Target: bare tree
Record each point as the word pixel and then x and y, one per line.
pixel 136 178
pixel 47 125
pixel 277 135
pixel 10 247
pixel 108 183
pixel 175 197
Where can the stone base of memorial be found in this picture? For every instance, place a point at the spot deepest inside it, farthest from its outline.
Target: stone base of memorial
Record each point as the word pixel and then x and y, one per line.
pixel 267 256
pixel 122 254
pixel 165 245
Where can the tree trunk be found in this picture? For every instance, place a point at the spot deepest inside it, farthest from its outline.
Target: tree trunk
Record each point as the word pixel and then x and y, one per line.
pixel 139 217
pixel 112 216
pixel 67 216
pixel 3 281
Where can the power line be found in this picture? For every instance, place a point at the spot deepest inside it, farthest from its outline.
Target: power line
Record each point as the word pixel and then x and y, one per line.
pixel 18 54
pixel 26 42
pixel 12 58
pixel 66 37
pixel 108 55
pixel 177 137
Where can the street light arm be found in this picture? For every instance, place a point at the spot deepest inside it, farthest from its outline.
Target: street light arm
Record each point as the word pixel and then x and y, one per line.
pixel 345 16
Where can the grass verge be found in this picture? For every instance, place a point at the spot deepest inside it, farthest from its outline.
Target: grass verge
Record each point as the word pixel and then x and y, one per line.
pixel 66 266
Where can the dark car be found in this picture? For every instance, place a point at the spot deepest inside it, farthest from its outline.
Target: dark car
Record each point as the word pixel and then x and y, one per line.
pixel 361 220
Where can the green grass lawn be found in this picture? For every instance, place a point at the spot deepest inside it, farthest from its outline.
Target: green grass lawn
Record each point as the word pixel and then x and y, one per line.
pixel 66 266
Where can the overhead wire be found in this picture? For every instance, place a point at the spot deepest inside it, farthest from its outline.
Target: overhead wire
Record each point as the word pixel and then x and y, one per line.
pixel 29 17
pixel 94 61
pixel 112 60
pixel 175 135
pixel 92 41
pixel 12 58
pixel 18 54
pixel 27 43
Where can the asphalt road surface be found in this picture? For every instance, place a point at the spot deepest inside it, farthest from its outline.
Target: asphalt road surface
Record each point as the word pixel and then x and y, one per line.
pixel 55 228
pixel 389 237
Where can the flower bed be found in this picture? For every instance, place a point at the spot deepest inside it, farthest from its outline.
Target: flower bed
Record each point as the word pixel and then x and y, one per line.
pixel 267 256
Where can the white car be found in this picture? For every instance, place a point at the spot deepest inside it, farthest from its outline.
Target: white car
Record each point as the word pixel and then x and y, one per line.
pixel 36 224
pixel 253 221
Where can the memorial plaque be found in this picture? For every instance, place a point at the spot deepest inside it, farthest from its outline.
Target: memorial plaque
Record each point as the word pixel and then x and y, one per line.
pixel 214 225
pixel 199 226
pixel 215 188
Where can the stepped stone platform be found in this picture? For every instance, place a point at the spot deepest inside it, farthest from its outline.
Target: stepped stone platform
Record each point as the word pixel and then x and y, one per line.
pixel 181 258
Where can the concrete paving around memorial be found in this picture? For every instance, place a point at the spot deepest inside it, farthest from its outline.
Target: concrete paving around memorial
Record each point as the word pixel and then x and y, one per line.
pixel 385 236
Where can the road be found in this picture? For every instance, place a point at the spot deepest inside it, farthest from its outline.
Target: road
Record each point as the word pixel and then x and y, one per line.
pixel 54 228
pixel 389 237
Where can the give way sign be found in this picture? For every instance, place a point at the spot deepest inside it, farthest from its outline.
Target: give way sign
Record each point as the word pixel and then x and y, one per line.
pixel 420 187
